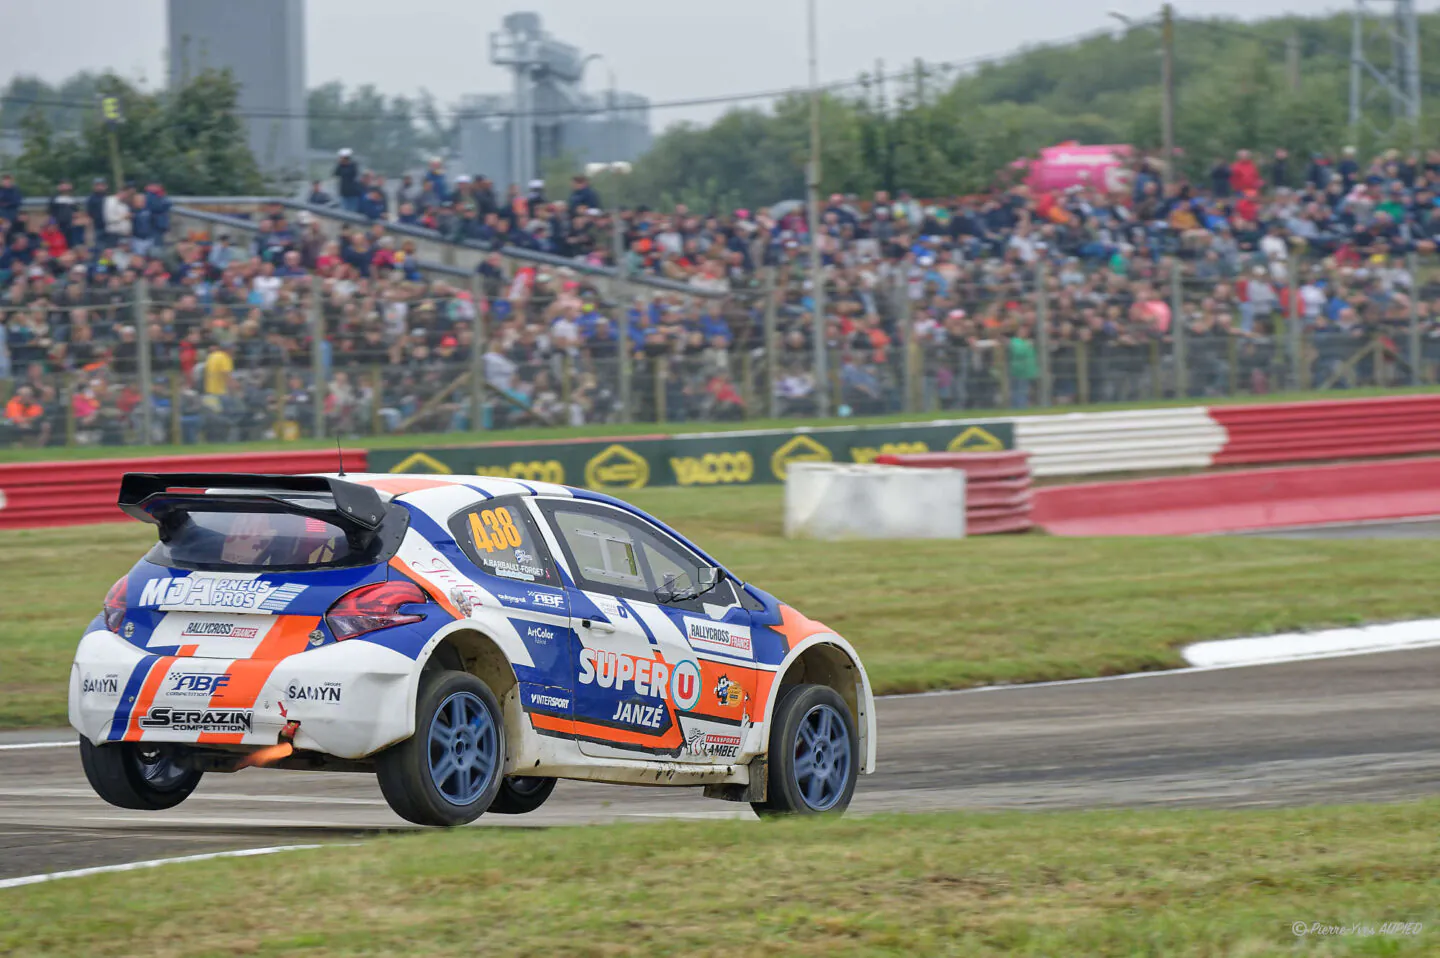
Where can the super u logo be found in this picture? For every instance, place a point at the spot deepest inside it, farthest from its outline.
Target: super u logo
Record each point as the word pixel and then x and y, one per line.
pixel 685 685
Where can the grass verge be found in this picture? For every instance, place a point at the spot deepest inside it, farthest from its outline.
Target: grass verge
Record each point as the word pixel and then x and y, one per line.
pixel 924 615
pixel 60 453
pixel 1189 883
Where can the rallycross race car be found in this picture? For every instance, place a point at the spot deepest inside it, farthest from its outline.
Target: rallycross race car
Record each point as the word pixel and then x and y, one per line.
pixel 469 640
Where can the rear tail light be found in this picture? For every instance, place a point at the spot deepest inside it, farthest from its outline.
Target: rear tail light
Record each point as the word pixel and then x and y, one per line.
pixel 372 607
pixel 115 604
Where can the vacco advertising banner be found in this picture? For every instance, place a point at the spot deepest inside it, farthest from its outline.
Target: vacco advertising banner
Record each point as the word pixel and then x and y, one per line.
pixel 722 458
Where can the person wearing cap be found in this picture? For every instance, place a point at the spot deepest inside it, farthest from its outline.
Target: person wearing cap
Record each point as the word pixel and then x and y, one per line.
pixel 435 180
pixel 347 175
pixel 582 195
pixel 463 198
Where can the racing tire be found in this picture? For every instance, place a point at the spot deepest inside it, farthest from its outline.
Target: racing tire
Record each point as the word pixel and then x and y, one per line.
pixel 137 775
pixel 814 756
pixel 520 794
pixel 451 769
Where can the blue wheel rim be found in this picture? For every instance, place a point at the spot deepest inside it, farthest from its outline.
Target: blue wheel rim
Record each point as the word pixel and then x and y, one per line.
pixel 464 748
pixel 822 758
pixel 160 771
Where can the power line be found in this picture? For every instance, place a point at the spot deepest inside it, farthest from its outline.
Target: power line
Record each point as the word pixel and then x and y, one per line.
pixel 602 110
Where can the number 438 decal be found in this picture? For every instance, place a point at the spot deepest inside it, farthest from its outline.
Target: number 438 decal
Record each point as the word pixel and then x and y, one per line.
pixel 494 529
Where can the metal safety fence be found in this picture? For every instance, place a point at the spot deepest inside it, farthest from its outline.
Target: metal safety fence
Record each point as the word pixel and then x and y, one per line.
pixel 106 363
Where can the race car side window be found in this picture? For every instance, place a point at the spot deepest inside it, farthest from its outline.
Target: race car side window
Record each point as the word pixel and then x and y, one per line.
pixel 613 552
pixel 500 537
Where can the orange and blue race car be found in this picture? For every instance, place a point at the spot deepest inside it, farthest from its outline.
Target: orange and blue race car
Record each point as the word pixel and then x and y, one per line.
pixel 471 640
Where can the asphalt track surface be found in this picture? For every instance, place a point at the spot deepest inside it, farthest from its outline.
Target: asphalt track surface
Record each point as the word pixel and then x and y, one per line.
pixel 1358 728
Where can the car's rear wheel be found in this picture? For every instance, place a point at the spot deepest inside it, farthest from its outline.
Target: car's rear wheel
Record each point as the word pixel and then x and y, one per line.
pixel 138 775
pixel 450 770
pixel 814 753
pixel 522 793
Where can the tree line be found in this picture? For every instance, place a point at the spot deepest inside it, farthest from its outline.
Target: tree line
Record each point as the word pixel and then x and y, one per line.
pixel 917 128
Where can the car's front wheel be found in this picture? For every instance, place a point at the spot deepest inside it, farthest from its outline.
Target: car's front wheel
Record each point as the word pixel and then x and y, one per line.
pixel 814 753
pixel 450 770
pixel 137 774
pixel 521 794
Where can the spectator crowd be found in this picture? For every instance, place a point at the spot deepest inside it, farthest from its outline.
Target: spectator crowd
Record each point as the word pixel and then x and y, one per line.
pixel 230 315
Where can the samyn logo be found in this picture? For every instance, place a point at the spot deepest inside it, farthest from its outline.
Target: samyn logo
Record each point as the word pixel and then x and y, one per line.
pixel 101 684
pixel 324 692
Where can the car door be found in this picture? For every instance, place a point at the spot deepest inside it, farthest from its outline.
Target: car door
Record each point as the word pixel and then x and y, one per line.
pixel 669 674
pixel 501 539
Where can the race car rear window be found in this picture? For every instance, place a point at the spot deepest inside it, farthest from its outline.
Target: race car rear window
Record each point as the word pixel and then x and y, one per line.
pixel 254 540
pixel 501 539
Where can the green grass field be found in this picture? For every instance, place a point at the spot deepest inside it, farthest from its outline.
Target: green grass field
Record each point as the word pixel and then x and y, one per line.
pixel 1162 883
pixel 924 615
pixel 58 453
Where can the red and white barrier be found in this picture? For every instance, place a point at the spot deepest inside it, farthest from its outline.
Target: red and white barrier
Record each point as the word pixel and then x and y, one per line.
pixel 1244 499
pixel 39 494
pixel 997 486
pixel 1128 440
pixel 1196 437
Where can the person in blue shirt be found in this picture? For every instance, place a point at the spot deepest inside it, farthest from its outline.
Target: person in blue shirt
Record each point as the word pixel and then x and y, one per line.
pixel 142 228
pixel 582 196
pixel 372 205
pixel 435 181
pixel 715 327
pixel 10 199
pixel 158 204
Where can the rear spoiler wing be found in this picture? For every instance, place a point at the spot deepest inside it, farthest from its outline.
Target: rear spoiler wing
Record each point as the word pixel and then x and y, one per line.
pixel 163 499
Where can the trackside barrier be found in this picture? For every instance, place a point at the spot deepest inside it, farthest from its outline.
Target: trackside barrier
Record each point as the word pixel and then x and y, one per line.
pixel 1249 499
pixel 997 486
pixel 38 494
pixel 1131 440
pixel 828 500
pixel 1339 429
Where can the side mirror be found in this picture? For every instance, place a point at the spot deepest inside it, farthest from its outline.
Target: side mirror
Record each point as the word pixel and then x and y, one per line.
pixel 677 588
pixel 674 587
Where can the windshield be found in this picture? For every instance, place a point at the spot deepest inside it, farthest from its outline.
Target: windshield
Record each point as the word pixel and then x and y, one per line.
pixel 255 540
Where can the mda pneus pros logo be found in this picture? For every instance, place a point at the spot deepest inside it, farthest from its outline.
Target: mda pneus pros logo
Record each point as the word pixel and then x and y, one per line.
pixel 685 685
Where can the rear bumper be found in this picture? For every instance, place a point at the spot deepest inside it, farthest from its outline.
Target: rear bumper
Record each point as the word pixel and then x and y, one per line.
pixel 351 698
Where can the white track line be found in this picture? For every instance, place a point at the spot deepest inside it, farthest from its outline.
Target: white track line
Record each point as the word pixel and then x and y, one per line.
pixel 1289 646
pixel 29 745
pixel 153 863
pixel 1322 652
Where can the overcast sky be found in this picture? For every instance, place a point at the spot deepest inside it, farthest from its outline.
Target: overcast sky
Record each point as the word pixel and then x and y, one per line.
pixel 666 51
